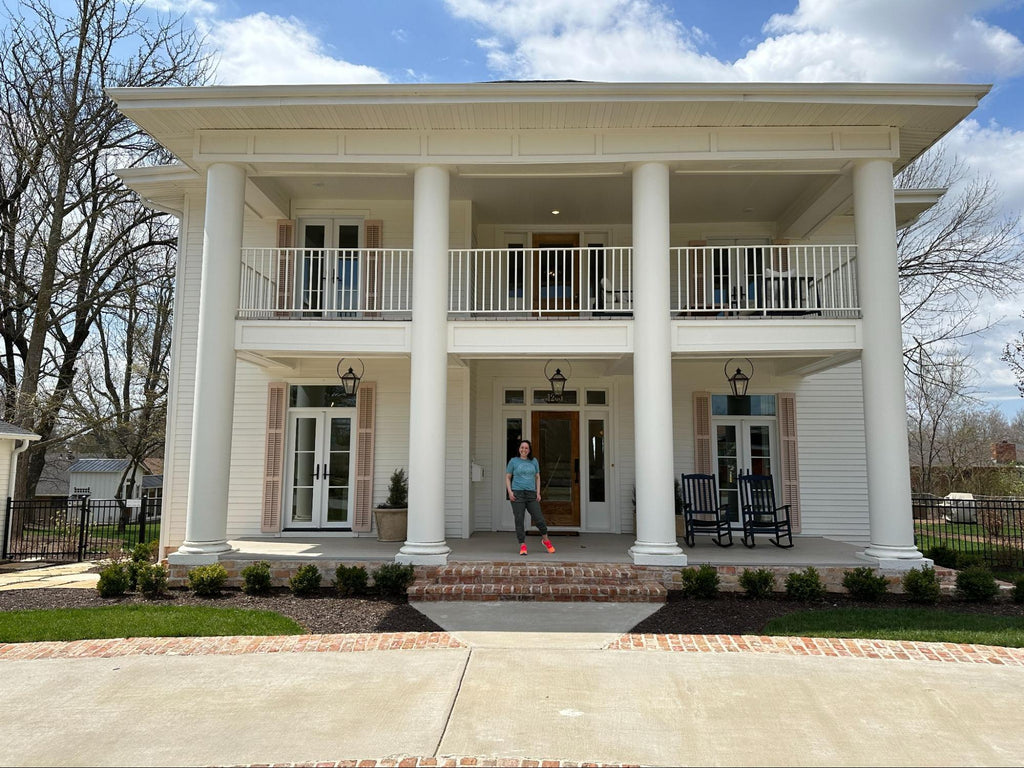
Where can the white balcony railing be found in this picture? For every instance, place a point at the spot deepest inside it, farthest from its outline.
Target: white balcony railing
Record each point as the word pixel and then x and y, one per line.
pixel 541 281
pixel 325 282
pixel 767 280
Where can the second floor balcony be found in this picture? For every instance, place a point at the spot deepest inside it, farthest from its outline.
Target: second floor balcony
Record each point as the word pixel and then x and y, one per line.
pixel 550 283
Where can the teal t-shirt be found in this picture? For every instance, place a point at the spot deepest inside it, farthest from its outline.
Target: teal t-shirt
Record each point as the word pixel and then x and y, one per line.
pixel 523 473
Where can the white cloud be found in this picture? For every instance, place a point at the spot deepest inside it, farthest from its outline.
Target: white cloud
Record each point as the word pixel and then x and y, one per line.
pixel 994 151
pixel 822 40
pixel 179 7
pixel 262 49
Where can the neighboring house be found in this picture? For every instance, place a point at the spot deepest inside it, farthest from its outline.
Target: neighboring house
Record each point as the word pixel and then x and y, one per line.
pixel 13 441
pixel 455 245
pixel 152 486
pixel 103 478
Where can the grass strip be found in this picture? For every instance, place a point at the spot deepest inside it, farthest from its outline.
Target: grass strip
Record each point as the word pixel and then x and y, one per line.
pixel 140 621
pixel 902 624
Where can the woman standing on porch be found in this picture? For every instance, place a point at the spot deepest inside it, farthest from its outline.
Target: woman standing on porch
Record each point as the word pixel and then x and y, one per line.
pixel 522 482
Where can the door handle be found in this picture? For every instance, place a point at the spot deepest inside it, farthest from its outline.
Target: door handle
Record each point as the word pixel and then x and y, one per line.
pixel 316 472
pixel 326 475
pixel 576 469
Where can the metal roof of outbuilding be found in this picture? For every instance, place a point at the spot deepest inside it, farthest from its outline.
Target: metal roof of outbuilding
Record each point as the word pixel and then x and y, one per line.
pixel 100 465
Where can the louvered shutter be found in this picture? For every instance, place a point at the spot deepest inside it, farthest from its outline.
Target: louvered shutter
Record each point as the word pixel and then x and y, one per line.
pixel 285 266
pixel 702 433
pixel 790 457
pixel 373 280
pixel 273 457
pixel 365 416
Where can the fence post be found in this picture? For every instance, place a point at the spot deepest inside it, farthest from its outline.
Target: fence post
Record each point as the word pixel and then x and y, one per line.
pixel 7 526
pixel 82 532
pixel 143 508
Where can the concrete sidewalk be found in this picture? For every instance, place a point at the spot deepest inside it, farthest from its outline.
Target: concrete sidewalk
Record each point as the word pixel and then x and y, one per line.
pixel 514 696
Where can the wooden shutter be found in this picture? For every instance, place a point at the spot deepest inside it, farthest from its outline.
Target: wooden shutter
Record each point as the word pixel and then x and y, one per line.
pixel 790 457
pixel 702 433
pixel 373 278
pixel 273 456
pixel 365 416
pixel 285 266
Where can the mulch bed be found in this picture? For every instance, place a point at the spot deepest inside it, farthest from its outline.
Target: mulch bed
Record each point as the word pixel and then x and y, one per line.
pixel 729 614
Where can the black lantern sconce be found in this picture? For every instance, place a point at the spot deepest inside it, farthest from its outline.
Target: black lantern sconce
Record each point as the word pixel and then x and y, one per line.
pixel 557 381
pixel 349 379
pixel 740 379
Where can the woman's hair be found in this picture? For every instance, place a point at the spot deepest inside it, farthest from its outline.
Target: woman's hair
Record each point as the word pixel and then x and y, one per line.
pixel 529 445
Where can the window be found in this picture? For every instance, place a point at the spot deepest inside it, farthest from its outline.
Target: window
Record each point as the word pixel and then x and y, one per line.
pixel 515 397
pixel 540 397
pixel 597 397
pixel 751 405
pixel 320 397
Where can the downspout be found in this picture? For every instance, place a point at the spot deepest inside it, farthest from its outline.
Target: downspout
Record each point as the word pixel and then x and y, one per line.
pixel 20 447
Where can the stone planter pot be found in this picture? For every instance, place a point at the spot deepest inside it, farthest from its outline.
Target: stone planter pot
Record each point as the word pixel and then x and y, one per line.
pixel 391 524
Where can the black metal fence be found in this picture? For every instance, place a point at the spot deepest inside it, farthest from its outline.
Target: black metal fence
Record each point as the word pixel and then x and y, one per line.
pixel 76 528
pixel 988 530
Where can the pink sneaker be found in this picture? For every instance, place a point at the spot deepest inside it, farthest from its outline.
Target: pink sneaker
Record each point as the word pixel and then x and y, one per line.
pixel 522 549
pixel 548 546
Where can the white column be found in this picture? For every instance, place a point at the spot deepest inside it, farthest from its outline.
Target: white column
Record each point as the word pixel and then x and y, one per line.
pixel 426 544
pixel 213 406
pixel 652 371
pixel 885 407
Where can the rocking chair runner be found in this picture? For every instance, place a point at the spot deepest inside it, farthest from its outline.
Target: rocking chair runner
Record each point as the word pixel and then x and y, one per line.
pixel 760 512
pixel 702 510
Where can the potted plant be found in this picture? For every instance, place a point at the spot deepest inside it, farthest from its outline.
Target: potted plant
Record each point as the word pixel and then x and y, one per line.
pixel 393 515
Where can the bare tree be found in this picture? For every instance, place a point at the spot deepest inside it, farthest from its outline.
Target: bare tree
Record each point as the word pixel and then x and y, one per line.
pixel 957 254
pixel 68 226
pixel 1013 356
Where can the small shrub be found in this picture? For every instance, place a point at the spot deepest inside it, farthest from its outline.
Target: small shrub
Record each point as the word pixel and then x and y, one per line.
pixel 1017 593
pixel 152 579
pixel 306 580
pixel 701 582
pixel 864 584
pixel 256 578
pixel 114 580
pixel 207 580
pixel 144 552
pixel 965 560
pixel 350 580
pixel 921 585
pixel 976 584
pixel 759 583
pixel 805 585
pixel 393 579
pixel 942 555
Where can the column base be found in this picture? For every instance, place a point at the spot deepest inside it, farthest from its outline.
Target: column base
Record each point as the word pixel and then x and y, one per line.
pixel 432 553
pixel 888 558
pixel 648 553
pixel 202 553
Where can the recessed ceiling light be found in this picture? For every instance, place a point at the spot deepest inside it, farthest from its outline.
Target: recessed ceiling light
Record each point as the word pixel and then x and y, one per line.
pixel 555 212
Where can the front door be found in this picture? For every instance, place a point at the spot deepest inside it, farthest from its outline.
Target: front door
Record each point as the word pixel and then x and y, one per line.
pixel 556 265
pixel 329 272
pixel 556 444
pixel 741 446
pixel 321 469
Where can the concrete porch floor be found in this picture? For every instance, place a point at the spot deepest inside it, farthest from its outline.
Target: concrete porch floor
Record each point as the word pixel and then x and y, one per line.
pixel 585 548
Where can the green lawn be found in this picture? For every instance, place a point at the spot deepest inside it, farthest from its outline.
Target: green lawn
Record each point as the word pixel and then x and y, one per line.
pixel 140 621
pixel 903 624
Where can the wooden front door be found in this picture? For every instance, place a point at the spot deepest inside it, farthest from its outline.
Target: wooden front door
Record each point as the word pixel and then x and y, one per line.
pixel 556 265
pixel 556 444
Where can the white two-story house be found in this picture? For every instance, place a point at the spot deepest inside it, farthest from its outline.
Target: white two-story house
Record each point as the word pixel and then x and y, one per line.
pixel 457 245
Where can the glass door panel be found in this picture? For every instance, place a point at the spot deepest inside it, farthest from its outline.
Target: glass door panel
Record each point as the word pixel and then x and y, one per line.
pixel 304 462
pixel 556 446
pixel 728 467
pixel 595 461
pixel 339 463
pixel 314 238
pixel 346 269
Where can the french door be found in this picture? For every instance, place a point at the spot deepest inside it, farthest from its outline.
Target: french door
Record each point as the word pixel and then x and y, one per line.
pixel 329 272
pixel 321 468
pixel 742 446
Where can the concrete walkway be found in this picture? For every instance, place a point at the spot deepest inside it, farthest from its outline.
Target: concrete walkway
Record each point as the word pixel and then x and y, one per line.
pixel 32 576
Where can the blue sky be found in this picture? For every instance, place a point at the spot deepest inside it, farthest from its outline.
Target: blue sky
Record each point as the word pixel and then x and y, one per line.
pixel 409 41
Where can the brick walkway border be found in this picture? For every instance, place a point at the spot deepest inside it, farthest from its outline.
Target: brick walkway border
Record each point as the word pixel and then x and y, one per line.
pixel 892 650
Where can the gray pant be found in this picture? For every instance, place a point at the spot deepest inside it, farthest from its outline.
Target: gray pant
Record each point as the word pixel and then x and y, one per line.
pixel 527 500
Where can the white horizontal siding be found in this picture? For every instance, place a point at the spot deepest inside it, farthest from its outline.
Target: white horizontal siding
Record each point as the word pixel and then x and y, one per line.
pixel 248 440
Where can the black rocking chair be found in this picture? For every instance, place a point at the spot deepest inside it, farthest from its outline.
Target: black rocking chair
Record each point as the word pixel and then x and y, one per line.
pixel 702 510
pixel 760 512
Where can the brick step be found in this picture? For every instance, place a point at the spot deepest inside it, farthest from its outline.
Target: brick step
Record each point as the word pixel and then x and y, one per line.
pixel 635 592
pixel 600 575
